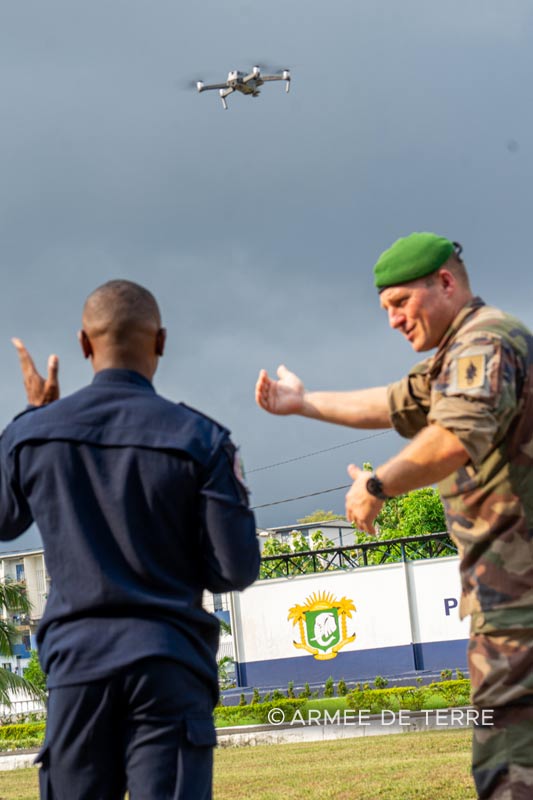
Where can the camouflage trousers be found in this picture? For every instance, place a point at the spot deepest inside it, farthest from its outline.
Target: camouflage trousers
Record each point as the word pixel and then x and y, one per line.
pixel 501 671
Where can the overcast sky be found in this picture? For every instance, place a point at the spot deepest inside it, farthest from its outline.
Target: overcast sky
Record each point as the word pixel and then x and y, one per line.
pixel 257 227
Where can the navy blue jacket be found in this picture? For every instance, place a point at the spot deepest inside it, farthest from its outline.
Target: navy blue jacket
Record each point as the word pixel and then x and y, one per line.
pixel 140 510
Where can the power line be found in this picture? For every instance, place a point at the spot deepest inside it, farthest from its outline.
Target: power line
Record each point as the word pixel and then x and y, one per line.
pixel 302 497
pixel 315 453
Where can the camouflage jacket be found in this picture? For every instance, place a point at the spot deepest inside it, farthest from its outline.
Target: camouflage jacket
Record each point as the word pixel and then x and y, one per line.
pixel 479 385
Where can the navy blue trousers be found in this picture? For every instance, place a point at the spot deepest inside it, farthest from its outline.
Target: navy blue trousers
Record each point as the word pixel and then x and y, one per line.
pixel 147 729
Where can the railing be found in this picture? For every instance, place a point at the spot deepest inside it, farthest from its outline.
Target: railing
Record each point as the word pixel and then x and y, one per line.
pixel 285 565
pixel 21 707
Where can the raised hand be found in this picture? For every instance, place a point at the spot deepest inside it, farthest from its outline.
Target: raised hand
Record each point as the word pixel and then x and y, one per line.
pixel 362 508
pixel 39 391
pixel 284 396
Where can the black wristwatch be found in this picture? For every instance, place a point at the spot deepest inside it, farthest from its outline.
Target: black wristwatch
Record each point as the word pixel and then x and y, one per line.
pixel 375 487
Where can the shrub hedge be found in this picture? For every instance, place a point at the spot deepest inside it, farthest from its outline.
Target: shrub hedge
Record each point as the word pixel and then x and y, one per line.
pixel 24 735
pixel 412 698
pixel 258 712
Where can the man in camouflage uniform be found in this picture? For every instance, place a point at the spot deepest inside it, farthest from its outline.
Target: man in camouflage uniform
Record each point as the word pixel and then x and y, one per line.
pixel 468 411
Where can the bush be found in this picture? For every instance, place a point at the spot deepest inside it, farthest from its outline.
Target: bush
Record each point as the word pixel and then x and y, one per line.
pixel 412 698
pixel 454 693
pixel 329 688
pixel 306 691
pixel 342 689
pixel 256 697
pixel 258 713
pixel 24 735
pixel 380 683
pixel 372 700
pixel 290 689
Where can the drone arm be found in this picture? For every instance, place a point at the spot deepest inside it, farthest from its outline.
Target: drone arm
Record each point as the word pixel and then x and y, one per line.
pixel 225 92
pixel 285 76
pixel 255 73
pixel 202 87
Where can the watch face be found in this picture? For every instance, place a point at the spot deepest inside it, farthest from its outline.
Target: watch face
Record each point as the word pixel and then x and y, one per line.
pixel 375 488
pixel 371 486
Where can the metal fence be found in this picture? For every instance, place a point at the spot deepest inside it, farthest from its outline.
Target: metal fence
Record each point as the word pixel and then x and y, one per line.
pixel 388 551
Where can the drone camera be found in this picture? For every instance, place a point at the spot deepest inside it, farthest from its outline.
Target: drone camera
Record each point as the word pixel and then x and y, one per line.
pixel 256 72
pixel 199 85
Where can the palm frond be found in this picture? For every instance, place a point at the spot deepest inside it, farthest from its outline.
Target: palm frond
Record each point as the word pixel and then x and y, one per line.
pixel 10 682
pixel 13 596
pixel 8 637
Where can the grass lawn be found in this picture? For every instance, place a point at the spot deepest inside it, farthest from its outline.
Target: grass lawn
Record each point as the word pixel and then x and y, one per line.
pixel 409 766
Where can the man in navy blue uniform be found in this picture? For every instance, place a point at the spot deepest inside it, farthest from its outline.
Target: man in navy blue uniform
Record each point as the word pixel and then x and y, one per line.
pixel 141 509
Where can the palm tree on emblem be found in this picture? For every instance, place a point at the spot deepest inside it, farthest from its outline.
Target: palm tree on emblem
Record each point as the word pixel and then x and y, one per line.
pixel 297 615
pixel 345 607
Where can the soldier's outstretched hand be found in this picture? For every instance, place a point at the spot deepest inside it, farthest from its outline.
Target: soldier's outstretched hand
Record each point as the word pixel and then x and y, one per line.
pixel 39 391
pixel 282 396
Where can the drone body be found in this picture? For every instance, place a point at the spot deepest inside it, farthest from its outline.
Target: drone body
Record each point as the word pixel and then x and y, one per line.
pixel 246 83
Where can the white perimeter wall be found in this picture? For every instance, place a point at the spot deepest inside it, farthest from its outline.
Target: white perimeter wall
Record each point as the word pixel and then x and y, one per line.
pixel 396 604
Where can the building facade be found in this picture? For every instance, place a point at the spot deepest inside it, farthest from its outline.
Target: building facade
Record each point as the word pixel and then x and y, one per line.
pixel 27 568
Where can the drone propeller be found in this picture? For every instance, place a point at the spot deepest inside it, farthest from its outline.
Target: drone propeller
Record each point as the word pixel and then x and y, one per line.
pixel 189 84
pixel 268 67
pixel 192 83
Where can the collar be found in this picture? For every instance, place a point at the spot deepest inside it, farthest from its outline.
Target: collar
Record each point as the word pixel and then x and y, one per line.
pixel 128 376
pixel 458 321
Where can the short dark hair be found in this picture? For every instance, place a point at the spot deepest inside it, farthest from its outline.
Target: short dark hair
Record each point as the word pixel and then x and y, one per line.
pixel 119 306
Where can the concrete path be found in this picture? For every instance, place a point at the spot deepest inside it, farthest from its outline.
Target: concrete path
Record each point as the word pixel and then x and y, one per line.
pixel 341 725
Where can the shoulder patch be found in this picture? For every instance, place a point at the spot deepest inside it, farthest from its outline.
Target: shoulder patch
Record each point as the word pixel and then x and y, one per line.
pixel 232 453
pixel 474 371
pixel 470 371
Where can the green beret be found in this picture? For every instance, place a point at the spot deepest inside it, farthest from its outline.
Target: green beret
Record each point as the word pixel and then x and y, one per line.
pixel 410 258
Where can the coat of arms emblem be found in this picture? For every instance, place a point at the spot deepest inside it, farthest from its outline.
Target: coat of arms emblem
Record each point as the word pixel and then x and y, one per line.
pixel 322 624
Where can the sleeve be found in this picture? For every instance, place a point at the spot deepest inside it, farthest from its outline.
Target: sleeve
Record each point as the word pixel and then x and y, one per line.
pixel 231 551
pixel 409 400
pixel 15 514
pixel 475 394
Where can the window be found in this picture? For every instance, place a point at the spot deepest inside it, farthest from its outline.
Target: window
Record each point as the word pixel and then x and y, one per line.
pixel 19 570
pixel 218 604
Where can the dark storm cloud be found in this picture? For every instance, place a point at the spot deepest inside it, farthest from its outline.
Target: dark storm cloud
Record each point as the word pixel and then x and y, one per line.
pixel 257 227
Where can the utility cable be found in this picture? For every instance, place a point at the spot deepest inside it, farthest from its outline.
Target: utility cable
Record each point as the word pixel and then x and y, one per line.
pixel 302 497
pixel 316 453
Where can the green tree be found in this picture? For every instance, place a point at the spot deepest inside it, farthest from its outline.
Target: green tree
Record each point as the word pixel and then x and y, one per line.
pixel 13 598
pixel 273 547
pixel 33 672
pixel 422 512
pixel 298 565
pixel 320 516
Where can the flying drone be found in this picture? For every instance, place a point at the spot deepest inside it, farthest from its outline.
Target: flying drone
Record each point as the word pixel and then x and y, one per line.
pixel 245 83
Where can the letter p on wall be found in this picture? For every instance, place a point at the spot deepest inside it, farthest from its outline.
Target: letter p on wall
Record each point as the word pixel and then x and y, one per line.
pixel 449 603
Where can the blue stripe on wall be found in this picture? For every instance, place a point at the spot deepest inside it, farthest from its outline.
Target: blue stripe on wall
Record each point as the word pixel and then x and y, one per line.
pixel 441 655
pixel 354 665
